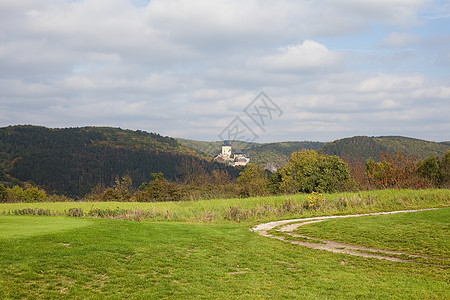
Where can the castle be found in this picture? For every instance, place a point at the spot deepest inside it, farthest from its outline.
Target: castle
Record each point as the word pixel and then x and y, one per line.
pixel 239 158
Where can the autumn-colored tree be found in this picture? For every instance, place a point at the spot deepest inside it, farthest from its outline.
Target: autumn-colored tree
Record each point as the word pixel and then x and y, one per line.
pixel 28 194
pixel 253 181
pixel 357 172
pixel 392 171
pixel 121 191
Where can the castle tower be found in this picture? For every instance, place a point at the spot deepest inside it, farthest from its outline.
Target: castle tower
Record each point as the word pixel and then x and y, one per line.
pixel 226 149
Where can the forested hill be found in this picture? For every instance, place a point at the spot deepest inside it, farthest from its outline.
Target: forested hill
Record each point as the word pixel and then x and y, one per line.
pixel 276 154
pixel 355 148
pixel 363 147
pixel 72 161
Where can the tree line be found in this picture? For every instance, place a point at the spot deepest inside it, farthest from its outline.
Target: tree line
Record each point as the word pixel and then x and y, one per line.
pixel 73 161
pixel 307 171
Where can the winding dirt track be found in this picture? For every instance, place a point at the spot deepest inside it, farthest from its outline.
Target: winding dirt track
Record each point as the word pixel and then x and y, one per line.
pixel 288 226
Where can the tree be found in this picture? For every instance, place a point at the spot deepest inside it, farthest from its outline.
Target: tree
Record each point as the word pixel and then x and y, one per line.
pixel 429 168
pixel 445 169
pixel 274 183
pixel 159 189
pixel 3 193
pixel 121 191
pixel 253 181
pixel 309 171
pixel 392 171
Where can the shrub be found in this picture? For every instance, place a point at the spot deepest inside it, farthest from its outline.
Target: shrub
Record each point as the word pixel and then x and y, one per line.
pixel 28 195
pixel 32 211
pixel 429 169
pixel 75 212
pixel 309 171
pixel 393 171
pixel 159 189
pixel 252 181
pixel 445 169
pixel 3 193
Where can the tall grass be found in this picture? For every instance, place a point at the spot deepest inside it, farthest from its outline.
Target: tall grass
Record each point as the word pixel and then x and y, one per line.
pixel 249 209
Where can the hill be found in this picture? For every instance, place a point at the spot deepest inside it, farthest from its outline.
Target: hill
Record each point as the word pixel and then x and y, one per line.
pixel 358 147
pixel 411 146
pixel 212 149
pixel 72 161
pixel 276 154
pixel 363 147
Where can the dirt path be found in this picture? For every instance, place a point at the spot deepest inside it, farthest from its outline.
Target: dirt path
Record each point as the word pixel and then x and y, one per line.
pixel 288 226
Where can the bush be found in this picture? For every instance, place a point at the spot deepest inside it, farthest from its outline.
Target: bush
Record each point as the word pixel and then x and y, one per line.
pixel 28 195
pixel 121 191
pixel 159 189
pixel 3 193
pixel 429 169
pixel 32 211
pixel 252 181
pixel 75 212
pixel 309 171
pixel 445 169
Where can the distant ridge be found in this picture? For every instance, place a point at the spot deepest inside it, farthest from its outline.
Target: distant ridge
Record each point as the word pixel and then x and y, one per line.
pixel 364 147
pixel 357 147
pixel 72 161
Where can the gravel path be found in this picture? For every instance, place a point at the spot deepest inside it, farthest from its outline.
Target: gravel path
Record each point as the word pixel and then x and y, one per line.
pixel 288 226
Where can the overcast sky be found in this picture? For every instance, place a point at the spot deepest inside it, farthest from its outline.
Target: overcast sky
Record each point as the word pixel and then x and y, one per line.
pixel 189 68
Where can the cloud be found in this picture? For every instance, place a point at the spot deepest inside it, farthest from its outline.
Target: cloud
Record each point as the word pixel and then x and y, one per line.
pixel 391 11
pixel 399 40
pixel 308 56
pixel 188 68
pixel 391 83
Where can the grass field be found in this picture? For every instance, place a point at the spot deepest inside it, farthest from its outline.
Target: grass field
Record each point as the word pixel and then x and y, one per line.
pixel 126 259
pixel 422 233
pixel 65 257
pixel 257 208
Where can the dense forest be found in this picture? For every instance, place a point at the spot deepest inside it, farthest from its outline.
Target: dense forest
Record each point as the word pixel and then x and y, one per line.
pixel 363 147
pixel 78 161
pixel 73 161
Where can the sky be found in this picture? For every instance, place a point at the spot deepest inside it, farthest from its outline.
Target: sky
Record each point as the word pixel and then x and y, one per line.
pixel 259 70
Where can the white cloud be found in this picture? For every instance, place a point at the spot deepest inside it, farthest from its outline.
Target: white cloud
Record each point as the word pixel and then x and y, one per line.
pixel 308 56
pixel 391 83
pixel 399 40
pixel 190 67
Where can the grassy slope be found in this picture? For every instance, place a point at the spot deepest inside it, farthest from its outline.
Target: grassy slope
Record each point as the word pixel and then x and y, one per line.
pixel 263 208
pixel 123 259
pixel 424 233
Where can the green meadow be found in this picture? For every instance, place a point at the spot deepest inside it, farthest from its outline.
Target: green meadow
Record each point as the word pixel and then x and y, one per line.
pixel 423 233
pixel 187 256
pixel 250 209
